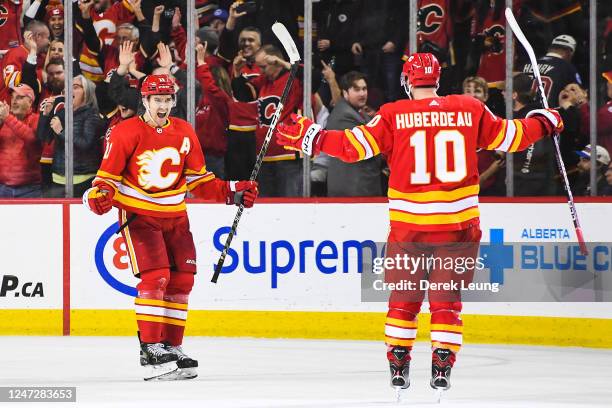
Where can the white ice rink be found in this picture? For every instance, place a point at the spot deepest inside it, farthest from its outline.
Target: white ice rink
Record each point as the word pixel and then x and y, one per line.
pixel 305 373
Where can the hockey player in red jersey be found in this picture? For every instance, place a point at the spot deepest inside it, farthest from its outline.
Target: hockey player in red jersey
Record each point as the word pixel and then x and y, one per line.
pixel 430 143
pixel 149 164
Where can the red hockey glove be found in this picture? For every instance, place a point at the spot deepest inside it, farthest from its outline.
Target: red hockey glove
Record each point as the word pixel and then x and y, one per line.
pixel 300 133
pixel 550 118
pixel 244 192
pixel 99 198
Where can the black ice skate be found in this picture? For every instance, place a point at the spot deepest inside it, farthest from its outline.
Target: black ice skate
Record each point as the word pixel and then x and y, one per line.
pixel 157 361
pixel 441 364
pixel 186 365
pixel 399 365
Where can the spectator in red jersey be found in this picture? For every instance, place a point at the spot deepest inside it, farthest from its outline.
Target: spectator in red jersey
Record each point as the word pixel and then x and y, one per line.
pixel 19 148
pixel 10 30
pixel 12 63
pixel 279 175
pixel 87 133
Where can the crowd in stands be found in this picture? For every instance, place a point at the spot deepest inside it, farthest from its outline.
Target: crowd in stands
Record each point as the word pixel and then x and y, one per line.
pixel 358 51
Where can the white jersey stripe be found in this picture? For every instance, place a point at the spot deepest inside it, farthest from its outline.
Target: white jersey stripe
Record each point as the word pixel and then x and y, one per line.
pixel 433 208
pixel 362 140
pixel 510 135
pixel 400 333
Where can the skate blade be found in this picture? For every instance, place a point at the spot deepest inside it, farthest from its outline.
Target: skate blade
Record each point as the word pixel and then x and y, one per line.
pixel 180 374
pixel 156 372
pixel 400 393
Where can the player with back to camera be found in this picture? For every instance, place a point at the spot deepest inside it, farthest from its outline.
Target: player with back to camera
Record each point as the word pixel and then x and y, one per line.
pixel 430 143
pixel 149 164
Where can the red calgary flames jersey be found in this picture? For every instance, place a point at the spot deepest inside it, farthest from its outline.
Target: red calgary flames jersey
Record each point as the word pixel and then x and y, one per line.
pixel 151 169
pixel 431 146
pixel 106 24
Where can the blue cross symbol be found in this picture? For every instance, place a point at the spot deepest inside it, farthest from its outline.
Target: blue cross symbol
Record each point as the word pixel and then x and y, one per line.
pixel 497 256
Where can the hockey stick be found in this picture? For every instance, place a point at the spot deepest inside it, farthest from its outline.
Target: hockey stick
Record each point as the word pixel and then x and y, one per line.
pixel 536 73
pixel 294 57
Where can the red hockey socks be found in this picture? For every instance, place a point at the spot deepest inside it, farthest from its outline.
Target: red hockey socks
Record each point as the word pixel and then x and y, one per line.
pixel 149 304
pixel 446 326
pixel 175 299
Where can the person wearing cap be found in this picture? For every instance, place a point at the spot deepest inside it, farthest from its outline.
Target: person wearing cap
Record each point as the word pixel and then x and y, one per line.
pixel 556 67
pixel 602 160
pixel 218 20
pixel 55 21
pixel 20 150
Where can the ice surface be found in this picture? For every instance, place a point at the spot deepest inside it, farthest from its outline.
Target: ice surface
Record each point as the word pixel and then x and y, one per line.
pixel 240 372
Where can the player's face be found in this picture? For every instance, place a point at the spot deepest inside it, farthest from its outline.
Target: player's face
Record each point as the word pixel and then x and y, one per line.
pixel 126 112
pixel 55 78
pixel 249 43
pixel 56 49
pixel 476 91
pixel 56 23
pixel 160 107
pixel 20 105
pixel 357 95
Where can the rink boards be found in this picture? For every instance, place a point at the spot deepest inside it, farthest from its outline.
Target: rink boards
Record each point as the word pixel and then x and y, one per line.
pixel 292 273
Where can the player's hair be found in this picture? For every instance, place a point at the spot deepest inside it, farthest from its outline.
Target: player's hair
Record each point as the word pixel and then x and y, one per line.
pixel 89 89
pixel 347 81
pixel 523 86
pixel 479 82
pixel 56 61
pixel 35 26
pixel 132 28
pixel 271 50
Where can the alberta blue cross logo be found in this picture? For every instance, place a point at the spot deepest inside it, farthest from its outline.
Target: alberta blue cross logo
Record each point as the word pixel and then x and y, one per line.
pixel 497 255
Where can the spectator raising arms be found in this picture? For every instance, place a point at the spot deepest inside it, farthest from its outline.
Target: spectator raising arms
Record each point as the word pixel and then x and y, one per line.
pixel 20 175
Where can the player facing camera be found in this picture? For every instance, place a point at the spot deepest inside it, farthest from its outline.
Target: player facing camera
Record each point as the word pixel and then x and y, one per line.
pixel 158 97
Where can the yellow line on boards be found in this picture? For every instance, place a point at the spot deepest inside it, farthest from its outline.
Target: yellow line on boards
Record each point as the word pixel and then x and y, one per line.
pixel 530 330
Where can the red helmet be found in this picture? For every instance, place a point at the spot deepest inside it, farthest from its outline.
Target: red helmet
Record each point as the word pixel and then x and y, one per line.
pixel 421 69
pixel 157 85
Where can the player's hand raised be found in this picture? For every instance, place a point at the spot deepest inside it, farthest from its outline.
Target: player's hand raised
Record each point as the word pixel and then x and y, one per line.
pixel 550 118
pixel 99 199
pixel 242 192
pixel 299 133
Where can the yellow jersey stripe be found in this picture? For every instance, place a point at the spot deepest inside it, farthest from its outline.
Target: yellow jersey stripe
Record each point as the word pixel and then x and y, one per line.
pixel 499 138
pixel 360 150
pixel 436 219
pixel 519 136
pixel 103 174
pixel 371 140
pixel 429 196
pixel 191 186
pixel 168 193
pixel 131 202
